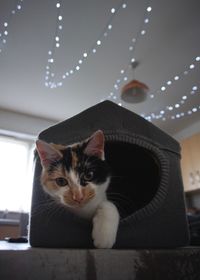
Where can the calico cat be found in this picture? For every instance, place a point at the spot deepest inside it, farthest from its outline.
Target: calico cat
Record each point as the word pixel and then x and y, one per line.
pixel 77 176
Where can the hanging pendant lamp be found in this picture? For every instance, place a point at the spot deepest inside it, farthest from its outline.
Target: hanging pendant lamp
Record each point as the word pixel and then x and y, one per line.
pixel 134 91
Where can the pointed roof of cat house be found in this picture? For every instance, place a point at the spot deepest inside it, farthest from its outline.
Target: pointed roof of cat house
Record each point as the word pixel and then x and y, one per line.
pixel 112 119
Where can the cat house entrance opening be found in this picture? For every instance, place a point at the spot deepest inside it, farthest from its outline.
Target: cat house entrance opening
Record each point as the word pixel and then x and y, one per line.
pixel 135 176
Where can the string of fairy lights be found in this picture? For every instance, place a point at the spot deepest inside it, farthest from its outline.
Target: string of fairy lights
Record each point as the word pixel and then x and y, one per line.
pixel 123 77
pixel 93 49
pixel 5 24
pixel 164 113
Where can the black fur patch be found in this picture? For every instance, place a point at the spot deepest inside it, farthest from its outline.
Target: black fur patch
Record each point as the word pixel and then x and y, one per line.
pixel 83 165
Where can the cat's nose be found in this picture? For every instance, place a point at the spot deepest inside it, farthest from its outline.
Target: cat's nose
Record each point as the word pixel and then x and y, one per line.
pixel 77 196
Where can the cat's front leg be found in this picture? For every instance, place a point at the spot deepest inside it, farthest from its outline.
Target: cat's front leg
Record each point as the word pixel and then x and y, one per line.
pixel 105 225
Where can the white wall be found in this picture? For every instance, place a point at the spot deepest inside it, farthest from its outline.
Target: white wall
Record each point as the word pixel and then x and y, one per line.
pixel 189 131
pixel 16 124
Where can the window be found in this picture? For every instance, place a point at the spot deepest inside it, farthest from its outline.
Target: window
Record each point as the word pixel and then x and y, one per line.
pixel 16 169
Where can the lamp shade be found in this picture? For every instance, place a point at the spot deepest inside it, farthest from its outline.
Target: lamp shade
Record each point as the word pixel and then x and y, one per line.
pixel 134 92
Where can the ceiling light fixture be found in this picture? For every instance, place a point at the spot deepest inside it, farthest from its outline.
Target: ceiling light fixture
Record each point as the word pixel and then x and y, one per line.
pixel 134 92
pixel 132 63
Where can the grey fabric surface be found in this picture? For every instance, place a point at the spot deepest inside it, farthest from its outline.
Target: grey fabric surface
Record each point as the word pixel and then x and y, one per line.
pixel 19 263
pixel 150 164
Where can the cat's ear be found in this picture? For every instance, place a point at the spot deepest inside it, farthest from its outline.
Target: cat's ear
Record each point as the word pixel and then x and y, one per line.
pixel 47 153
pixel 95 145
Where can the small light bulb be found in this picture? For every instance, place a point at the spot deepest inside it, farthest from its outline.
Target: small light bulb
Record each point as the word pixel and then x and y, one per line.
pixel 57 38
pixel 163 88
pixel 177 105
pixel 197 58
pixel 169 83
pixel 85 55
pixel 80 61
pixel 124 5
pixel 184 97
pixel 176 78
pixel 60 18
pixel 58 5
pixel 57 45
pixel 5 24
pixel 192 66
pixel 149 9
pixel 112 10
pixel 98 42
pixel 77 67
pixel 109 26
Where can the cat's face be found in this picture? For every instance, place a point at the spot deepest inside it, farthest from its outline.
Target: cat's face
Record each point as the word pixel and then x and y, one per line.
pixel 75 174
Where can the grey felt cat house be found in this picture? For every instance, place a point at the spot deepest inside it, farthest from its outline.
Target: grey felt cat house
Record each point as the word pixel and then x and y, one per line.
pixel 146 185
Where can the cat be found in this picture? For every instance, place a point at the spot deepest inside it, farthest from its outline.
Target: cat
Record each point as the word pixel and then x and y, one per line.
pixel 77 176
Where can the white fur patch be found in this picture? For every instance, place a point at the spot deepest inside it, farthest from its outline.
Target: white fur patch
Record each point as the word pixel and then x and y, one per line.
pixel 105 225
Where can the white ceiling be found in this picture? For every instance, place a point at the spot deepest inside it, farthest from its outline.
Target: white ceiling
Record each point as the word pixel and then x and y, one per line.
pixel 169 47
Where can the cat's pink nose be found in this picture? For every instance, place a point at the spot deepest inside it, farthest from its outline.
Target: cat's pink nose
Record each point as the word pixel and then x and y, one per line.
pixel 77 196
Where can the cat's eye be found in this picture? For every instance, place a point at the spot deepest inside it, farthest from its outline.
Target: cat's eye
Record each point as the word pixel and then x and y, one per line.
pixel 61 182
pixel 88 176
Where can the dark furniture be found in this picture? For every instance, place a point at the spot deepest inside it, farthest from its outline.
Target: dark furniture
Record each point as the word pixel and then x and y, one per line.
pixel 146 187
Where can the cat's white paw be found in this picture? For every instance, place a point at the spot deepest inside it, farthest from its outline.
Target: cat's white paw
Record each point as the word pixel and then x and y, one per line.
pixel 105 225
